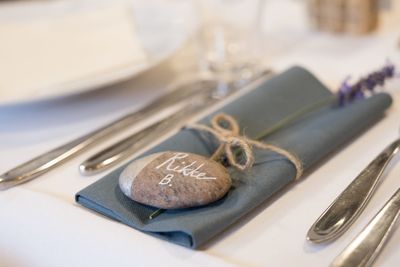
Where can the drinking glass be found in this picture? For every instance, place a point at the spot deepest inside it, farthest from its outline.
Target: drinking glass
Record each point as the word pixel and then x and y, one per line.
pixel 230 38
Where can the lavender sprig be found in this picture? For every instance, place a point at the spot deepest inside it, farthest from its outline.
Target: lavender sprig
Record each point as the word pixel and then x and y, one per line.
pixel 366 85
pixel 347 93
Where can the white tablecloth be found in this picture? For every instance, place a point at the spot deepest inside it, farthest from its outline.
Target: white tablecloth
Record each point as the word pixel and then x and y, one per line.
pixel 41 225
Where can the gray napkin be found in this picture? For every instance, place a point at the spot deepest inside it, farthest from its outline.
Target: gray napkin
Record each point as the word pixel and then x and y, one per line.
pixel 310 138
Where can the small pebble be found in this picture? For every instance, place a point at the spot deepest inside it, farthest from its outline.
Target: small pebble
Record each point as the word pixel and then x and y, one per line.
pixel 175 180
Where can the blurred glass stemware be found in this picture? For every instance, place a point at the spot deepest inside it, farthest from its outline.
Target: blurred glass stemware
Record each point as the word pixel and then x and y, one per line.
pixel 230 40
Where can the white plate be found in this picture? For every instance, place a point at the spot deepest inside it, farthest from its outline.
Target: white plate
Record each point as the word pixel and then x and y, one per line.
pixel 43 43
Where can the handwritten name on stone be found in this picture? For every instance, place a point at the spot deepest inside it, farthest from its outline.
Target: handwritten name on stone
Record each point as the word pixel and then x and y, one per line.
pixel 189 170
pixel 174 180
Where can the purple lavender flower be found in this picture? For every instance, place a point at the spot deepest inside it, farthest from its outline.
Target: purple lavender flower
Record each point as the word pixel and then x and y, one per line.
pixel 348 93
pixel 355 89
pixel 379 78
pixel 388 70
pixel 369 82
pixel 359 95
pixel 344 91
pixel 341 98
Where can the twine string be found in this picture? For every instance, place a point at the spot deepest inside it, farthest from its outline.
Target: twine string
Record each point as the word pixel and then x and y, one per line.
pixel 225 129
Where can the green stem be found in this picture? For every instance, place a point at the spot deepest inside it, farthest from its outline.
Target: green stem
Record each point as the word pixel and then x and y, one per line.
pixel 156 213
pixel 293 117
pixel 296 115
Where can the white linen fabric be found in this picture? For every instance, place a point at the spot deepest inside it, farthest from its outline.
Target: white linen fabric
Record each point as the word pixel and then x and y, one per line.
pixel 40 224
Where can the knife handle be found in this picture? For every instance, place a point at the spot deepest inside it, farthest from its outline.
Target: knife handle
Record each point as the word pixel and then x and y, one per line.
pixel 128 146
pixel 41 164
pixel 351 202
pixel 364 249
pixel 51 159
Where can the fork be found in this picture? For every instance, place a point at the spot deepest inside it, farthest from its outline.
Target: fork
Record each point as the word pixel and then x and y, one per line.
pixel 127 147
pixel 51 159
pixel 345 209
pixel 365 248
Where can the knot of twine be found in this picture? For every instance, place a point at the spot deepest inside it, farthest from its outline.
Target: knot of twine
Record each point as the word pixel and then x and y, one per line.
pixel 226 130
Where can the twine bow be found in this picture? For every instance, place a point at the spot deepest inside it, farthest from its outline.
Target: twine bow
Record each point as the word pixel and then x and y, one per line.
pixel 226 129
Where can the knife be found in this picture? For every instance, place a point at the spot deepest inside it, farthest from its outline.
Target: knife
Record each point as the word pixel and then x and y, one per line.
pixel 51 159
pixel 365 248
pixel 127 147
pixel 346 208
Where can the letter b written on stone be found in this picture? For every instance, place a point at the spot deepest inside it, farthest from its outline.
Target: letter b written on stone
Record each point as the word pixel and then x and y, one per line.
pixel 166 180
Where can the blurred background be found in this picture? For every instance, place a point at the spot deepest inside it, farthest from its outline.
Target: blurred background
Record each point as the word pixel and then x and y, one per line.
pixel 57 48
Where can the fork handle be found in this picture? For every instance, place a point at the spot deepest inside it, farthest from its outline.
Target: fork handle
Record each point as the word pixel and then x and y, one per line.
pixel 351 202
pixel 41 164
pixel 119 151
pixel 364 249
pixel 51 159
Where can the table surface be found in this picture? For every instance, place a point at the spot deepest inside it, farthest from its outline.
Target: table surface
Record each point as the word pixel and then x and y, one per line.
pixel 41 225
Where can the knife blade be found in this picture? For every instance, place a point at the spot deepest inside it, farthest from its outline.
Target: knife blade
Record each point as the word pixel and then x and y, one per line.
pixel 51 159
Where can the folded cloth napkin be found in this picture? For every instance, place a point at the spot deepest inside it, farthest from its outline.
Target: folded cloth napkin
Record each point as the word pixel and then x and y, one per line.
pixel 310 138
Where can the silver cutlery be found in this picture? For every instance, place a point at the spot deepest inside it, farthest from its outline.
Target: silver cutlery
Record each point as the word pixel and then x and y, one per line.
pixel 49 160
pixel 365 248
pixel 127 147
pixel 351 202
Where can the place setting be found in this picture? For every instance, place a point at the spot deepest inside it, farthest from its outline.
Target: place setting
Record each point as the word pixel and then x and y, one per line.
pixel 128 44
pixel 228 133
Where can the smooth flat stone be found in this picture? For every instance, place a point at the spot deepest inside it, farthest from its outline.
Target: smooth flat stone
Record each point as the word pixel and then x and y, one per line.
pixel 175 180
